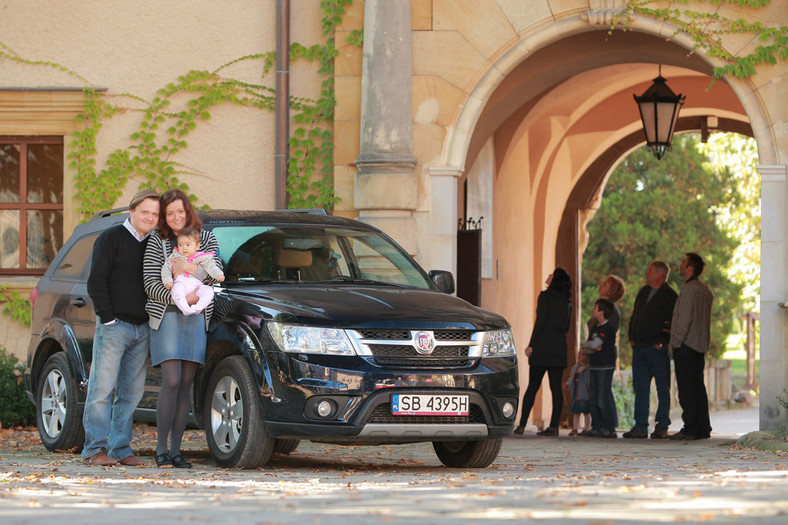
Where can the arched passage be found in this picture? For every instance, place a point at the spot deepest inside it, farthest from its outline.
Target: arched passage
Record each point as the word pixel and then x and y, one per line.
pixel 558 121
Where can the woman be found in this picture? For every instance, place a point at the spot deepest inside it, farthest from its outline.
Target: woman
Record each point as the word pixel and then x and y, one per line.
pixel 612 289
pixel 177 341
pixel 547 350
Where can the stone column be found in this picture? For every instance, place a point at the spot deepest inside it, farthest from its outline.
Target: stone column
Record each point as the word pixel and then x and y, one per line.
pixel 441 252
pixel 386 185
pixel 774 297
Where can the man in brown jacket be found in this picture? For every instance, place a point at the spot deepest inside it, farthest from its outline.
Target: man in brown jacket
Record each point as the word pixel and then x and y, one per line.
pixel 690 334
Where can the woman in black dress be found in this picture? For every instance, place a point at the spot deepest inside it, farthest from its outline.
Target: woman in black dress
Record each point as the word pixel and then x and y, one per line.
pixel 546 351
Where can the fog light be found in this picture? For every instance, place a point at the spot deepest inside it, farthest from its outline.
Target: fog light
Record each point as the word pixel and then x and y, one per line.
pixel 325 408
pixel 508 409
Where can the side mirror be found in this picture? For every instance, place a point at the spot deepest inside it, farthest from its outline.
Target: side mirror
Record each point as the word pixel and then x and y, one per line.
pixel 443 280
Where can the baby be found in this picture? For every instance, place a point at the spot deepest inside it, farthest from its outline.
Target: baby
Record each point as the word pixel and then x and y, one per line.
pixel 184 284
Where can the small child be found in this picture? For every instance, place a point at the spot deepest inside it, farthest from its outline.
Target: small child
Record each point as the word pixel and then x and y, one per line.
pixel 577 385
pixel 184 284
pixel 601 348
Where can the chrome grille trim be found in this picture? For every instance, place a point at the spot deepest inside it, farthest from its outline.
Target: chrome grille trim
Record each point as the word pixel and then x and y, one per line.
pixel 367 341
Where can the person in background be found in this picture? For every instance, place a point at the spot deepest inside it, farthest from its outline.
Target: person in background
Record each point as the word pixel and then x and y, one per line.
pixel 601 348
pixel 177 341
pixel 613 289
pixel 546 351
pixel 121 342
pixel 578 385
pixel 649 335
pixel 690 336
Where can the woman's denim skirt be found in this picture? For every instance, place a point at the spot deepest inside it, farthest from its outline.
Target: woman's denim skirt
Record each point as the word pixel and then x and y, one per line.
pixel 178 337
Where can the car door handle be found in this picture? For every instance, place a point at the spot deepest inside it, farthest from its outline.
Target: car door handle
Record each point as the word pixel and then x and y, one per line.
pixel 78 302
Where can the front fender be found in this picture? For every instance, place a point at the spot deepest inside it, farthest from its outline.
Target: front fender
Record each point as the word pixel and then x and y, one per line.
pixel 236 337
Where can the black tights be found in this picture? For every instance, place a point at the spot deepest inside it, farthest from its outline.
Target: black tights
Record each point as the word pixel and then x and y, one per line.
pixel 535 375
pixel 172 407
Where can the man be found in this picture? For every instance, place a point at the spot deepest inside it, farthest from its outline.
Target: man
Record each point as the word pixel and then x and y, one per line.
pixel 649 335
pixel 120 345
pixel 690 334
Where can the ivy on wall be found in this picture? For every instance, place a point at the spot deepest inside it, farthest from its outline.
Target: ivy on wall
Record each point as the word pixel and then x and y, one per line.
pixel 164 129
pixel 15 305
pixel 707 29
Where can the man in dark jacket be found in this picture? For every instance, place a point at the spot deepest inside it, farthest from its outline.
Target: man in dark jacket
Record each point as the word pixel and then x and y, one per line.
pixel 649 335
pixel 120 346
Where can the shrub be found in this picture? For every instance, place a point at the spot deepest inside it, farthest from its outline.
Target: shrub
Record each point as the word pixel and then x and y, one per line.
pixel 15 407
pixel 625 401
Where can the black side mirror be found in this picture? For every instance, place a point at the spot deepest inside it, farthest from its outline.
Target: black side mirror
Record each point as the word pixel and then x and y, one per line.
pixel 443 280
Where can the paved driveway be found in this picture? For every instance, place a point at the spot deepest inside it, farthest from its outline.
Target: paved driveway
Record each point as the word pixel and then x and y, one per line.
pixel 555 480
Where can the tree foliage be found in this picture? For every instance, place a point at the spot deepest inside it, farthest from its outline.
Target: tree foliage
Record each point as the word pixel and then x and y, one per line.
pixel 659 210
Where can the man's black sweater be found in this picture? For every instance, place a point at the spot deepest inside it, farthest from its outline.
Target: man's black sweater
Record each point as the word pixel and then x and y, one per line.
pixel 650 323
pixel 115 282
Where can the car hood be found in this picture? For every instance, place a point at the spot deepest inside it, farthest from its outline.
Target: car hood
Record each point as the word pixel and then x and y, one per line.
pixel 348 306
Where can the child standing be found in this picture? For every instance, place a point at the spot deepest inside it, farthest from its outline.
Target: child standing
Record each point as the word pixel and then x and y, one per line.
pixel 601 347
pixel 578 385
pixel 184 284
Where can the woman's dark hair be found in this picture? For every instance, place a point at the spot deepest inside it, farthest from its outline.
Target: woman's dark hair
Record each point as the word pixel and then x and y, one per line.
pixel 561 282
pixel 167 198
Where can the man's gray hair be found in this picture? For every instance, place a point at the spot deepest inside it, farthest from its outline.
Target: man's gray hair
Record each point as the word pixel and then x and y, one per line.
pixel 662 267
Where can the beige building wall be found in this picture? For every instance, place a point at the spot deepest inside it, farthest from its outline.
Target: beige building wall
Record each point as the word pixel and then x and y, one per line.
pixel 139 47
pixel 131 50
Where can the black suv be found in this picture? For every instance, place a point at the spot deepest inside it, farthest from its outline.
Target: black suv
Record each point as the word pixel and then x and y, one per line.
pixel 324 330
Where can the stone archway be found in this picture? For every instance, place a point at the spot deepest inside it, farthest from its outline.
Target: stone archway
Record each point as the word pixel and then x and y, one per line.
pixel 553 119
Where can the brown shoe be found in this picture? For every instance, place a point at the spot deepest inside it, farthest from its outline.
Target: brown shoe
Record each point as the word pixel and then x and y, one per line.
pixel 132 461
pixel 549 431
pixel 101 459
pixel 660 433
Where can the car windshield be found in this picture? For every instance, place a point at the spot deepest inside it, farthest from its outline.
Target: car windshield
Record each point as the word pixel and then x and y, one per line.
pixel 312 254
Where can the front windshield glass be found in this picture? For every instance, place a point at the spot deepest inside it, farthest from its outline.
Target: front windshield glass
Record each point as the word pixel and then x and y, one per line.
pixel 308 254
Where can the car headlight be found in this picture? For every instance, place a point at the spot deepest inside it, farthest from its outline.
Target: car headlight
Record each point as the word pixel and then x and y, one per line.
pixel 310 339
pixel 498 343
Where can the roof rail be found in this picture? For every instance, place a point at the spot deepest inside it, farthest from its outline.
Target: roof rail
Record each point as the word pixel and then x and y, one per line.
pixel 313 211
pixel 107 213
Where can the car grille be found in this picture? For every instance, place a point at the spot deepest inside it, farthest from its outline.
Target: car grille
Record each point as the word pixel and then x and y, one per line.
pixel 384 347
pixel 382 414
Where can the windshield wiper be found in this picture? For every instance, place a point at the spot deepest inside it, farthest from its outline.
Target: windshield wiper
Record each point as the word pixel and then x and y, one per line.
pixel 353 280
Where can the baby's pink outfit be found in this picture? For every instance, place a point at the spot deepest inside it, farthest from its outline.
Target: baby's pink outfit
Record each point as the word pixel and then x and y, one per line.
pixel 185 284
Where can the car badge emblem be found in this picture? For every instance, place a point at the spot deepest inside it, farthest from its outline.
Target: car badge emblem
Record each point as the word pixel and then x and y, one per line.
pixel 425 343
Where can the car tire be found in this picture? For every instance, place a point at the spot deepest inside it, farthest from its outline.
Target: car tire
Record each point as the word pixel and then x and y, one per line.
pixel 233 419
pixel 286 446
pixel 468 454
pixel 58 415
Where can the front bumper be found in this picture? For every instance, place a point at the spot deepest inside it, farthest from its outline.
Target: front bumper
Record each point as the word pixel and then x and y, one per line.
pixel 362 395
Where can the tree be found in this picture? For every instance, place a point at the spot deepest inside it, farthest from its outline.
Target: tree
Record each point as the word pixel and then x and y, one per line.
pixel 659 210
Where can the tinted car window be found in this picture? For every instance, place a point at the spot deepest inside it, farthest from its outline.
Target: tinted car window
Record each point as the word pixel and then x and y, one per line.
pixel 313 254
pixel 76 263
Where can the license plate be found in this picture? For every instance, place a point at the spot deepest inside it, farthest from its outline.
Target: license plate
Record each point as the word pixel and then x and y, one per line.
pixel 429 405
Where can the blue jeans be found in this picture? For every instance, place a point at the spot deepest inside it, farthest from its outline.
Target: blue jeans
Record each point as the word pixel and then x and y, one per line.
pixel 120 353
pixel 604 417
pixel 647 363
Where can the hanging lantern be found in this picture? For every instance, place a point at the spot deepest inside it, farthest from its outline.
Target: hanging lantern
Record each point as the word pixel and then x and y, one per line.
pixel 659 111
